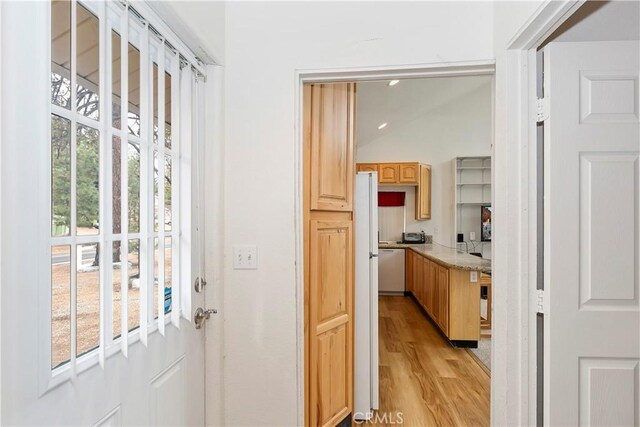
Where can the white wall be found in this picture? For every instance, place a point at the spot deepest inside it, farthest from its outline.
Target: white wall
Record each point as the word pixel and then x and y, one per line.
pixel 430 121
pixel 265 44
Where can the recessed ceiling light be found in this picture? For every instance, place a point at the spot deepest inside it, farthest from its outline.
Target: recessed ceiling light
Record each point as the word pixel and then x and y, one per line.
pixel 394 82
pixel 382 126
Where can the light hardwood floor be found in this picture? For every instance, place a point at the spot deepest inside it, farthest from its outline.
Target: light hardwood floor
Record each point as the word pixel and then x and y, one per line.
pixel 422 376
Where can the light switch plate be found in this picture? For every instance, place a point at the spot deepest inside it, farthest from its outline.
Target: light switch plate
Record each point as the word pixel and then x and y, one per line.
pixel 245 257
pixel 473 276
pixel 472 235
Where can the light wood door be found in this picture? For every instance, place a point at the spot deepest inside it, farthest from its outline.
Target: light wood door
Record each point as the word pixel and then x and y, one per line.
pixel 409 173
pixel 591 234
pixel 332 130
pixel 331 290
pixel 328 181
pixel 367 167
pixel 443 298
pixel 423 194
pixel 389 173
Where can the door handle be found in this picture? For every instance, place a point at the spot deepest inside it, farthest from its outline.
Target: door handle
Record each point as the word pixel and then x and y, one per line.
pixel 372 255
pixel 201 315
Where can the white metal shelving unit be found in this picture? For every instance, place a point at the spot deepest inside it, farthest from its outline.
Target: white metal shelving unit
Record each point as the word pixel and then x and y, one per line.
pixel 472 189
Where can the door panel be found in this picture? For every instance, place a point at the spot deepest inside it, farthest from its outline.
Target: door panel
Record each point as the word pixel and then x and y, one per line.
pixel 592 230
pixel 130 375
pixel 332 166
pixel 331 289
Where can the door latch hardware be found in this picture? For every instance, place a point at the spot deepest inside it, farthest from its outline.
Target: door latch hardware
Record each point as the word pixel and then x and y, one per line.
pixel 199 284
pixel 201 315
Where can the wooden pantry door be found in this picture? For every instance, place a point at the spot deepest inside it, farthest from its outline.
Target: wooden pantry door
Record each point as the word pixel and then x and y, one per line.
pixel 328 180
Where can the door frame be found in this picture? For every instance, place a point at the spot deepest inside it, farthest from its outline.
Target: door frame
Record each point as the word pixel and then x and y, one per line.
pixel 360 74
pixel 517 134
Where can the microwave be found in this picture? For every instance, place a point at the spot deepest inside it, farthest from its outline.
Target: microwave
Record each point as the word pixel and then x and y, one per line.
pixel 413 238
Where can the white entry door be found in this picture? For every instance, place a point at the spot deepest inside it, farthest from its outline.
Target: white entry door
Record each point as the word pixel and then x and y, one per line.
pixel 99 244
pixel 592 233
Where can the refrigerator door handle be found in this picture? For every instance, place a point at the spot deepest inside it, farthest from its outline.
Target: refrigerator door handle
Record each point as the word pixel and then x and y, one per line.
pixel 372 255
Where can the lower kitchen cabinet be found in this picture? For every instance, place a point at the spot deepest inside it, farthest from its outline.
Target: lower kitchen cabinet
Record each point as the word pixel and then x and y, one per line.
pixel 448 296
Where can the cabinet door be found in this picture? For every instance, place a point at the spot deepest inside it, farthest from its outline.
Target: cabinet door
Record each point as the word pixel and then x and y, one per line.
pixel 389 173
pixel 408 270
pixel 443 299
pixel 331 150
pixel 423 194
pixel 330 320
pixel 409 173
pixel 367 167
pixel 435 296
pixel 417 277
pixel 429 286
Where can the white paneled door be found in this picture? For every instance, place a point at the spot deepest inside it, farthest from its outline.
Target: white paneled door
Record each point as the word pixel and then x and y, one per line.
pixel 100 230
pixel 592 232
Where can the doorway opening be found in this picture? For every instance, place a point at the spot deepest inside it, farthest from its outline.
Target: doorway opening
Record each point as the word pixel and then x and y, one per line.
pixel 429 143
pixel 329 213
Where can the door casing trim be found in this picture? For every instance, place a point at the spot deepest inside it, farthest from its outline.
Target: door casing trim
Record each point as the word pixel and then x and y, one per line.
pixel 359 74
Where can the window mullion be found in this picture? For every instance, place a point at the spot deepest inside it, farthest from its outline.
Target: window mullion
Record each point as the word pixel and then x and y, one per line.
pixel 175 192
pixel 161 187
pixel 124 182
pixel 106 168
pixel 73 221
pixel 146 182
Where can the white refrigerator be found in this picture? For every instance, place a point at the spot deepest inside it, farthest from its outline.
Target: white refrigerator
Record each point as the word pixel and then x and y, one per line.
pixel 366 383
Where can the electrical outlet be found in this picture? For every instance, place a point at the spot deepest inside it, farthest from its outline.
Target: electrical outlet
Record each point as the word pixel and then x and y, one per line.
pixel 245 257
pixel 473 276
pixel 472 235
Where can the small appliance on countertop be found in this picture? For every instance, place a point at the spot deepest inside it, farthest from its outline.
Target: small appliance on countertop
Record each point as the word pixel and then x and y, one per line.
pixel 414 237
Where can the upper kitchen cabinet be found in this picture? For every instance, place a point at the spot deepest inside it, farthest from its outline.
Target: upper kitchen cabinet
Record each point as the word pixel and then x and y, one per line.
pixel 405 174
pixel 367 167
pixel 393 173
pixel 423 194
pixel 331 150
pixel 388 173
pixel 408 173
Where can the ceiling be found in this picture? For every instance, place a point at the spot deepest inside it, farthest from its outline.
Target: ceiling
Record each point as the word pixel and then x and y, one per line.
pixel 409 100
pixel 87 48
pixel 601 21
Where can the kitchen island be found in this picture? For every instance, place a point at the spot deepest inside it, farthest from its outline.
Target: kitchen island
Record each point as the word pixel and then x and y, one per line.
pixel 446 284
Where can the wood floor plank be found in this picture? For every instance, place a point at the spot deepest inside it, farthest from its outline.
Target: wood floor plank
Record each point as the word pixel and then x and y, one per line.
pixel 422 376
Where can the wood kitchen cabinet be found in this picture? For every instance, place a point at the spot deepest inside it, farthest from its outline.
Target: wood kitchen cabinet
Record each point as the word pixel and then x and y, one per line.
pixel 408 173
pixel 367 167
pixel 408 270
pixel 443 299
pixel 447 295
pixel 423 194
pixel 405 174
pixel 388 173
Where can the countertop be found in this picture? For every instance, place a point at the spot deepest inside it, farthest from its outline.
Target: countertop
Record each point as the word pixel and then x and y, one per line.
pixel 448 257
